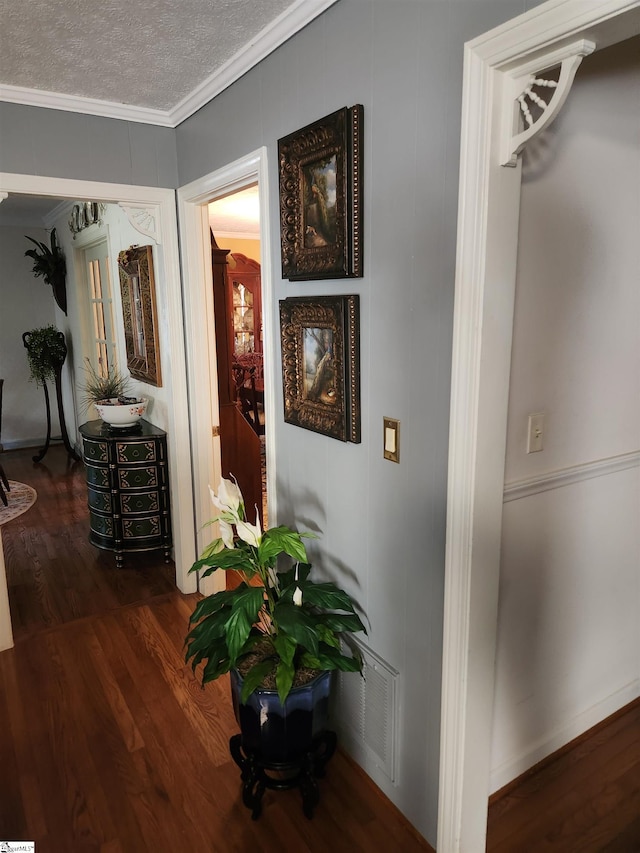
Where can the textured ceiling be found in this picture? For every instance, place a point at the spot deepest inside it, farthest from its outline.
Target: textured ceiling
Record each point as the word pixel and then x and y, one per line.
pixel 146 53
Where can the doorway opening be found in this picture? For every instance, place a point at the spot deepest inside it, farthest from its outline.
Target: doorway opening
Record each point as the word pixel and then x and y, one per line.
pixel 204 328
pixel 234 222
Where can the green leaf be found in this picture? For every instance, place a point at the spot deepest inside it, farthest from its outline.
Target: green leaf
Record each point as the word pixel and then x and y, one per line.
pixel 299 624
pixel 326 595
pixel 285 647
pixel 329 658
pixel 278 540
pixel 211 603
pixel 254 678
pixel 215 668
pixel 244 612
pixel 326 635
pixel 211 627
pixel 284 679
pixel 228 558
pixel 339 622
pixel 289 577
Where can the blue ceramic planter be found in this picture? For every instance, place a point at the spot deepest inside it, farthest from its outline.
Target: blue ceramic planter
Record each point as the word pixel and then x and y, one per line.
pixel 282 733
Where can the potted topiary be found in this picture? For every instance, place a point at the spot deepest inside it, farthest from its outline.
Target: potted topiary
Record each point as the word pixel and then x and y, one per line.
pixel 279 634
pixel 50 264
pixel 108 393
pixel 46 353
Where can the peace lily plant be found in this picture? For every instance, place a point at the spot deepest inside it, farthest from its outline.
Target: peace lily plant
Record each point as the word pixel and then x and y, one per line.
pixel 276 625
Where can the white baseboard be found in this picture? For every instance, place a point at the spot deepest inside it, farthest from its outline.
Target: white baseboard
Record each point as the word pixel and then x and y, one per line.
pixel 36 443
pixel 510 770
pixel 21 443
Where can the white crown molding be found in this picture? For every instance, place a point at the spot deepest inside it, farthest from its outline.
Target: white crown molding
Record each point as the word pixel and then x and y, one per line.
pixel 59 211
pixel 88 106
pixel 236 235
pixel 291 21
pixel 282 28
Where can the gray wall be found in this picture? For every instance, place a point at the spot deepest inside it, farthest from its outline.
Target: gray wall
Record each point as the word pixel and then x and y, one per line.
pixel 35 141
pixel 27 303
pixel 382 524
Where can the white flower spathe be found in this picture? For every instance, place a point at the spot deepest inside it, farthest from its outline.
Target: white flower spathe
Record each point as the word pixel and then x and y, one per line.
pixel 226 533
pixel 250 533
pixel 297 597
pixel 229 497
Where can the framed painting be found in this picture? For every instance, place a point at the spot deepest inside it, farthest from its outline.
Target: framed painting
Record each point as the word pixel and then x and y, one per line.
pixel 137 287
pixel 321 198
pixel 321 364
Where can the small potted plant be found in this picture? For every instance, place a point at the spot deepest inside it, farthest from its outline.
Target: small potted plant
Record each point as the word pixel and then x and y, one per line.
pixel 46 353
pixel 278 633
pixel 108 393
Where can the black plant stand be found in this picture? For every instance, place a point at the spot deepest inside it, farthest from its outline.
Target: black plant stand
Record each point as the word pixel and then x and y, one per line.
pixel 57 366
pixel 302 773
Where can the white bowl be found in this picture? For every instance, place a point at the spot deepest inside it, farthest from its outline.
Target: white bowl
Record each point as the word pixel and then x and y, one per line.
pixel 121 414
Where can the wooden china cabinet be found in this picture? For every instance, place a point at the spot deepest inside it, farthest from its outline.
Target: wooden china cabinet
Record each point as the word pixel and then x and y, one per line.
pixel 238 327
pixel 245 299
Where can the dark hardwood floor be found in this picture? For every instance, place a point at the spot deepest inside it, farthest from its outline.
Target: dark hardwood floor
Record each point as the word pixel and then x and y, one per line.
pixel 107 741
pixel 54 574
pixel 583 799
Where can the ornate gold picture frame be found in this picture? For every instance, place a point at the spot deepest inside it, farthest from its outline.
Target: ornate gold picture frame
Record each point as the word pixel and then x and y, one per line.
pixel 320 198
pixel 137 287
pixel 321 364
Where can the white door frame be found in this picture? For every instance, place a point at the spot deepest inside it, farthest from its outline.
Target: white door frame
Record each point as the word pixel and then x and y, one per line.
pixel 489 199
pixel 195 251
pixel 152 211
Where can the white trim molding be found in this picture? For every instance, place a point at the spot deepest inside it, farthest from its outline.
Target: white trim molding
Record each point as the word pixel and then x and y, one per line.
pixel 488 210
pixel 200 330
pixel 568 476
pixel 143 219
pixel 526 89
pixel 292 20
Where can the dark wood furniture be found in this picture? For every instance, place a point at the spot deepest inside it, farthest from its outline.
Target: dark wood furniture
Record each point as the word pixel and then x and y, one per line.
pixel 240 449
pixel 4 483
pixel 128 488
pixel 244 295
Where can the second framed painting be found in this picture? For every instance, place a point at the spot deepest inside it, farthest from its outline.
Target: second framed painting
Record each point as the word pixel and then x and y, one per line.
pixel 321 364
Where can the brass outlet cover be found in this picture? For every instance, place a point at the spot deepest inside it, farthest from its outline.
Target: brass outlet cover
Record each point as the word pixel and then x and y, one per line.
pixel 391 439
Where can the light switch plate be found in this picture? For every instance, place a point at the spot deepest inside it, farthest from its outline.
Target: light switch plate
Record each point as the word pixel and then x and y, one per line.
pixel 391 439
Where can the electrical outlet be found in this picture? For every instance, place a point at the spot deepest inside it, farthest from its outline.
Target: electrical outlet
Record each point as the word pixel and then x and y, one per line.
pixel 535 433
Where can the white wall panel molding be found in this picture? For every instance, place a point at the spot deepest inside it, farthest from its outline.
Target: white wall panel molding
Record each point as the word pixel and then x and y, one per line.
pixel 568 476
